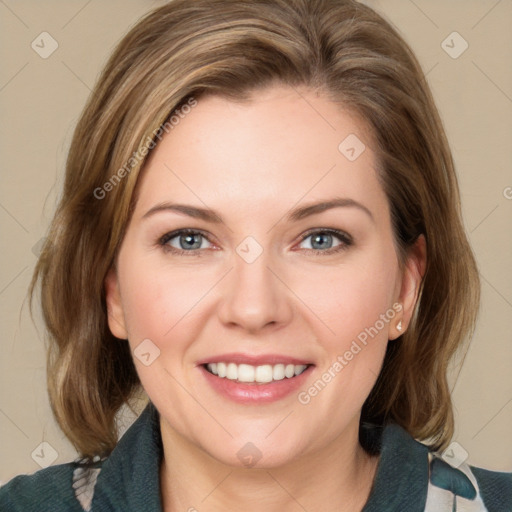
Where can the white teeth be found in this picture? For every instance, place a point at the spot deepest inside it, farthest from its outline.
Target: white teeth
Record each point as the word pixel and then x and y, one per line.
pixel 221 369
pixel 297 370
pixel 245 373
pixel 232 371
pixel 262 374
pixel 278 372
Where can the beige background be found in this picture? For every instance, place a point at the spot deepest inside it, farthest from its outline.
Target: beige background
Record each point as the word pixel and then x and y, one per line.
pixel 40 100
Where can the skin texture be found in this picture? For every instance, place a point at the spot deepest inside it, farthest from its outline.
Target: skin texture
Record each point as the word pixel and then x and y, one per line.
pixel 252 163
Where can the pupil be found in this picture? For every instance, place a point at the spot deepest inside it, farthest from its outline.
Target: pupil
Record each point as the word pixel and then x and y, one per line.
pixel 190 239
pixel 320 238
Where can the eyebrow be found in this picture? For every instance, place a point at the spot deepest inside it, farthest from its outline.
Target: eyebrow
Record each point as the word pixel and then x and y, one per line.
pixel 295 215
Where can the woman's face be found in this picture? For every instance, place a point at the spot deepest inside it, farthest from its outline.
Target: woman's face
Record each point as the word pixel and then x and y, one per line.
pixel 265 283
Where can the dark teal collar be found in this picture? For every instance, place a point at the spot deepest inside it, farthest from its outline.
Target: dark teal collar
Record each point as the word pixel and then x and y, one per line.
pixel 129 478
pixel 401 481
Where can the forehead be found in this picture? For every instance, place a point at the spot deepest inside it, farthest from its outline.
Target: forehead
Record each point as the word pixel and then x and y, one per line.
pixel 284 143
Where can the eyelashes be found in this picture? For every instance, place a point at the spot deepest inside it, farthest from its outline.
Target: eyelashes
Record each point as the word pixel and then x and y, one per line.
pixel 194 238
pixel 191 237
pixel 317 234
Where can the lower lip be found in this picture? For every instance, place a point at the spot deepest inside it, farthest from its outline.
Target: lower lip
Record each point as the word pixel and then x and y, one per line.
pixel 253 392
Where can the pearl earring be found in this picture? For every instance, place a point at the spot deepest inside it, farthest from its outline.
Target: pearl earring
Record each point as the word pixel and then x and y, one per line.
pixel 399 325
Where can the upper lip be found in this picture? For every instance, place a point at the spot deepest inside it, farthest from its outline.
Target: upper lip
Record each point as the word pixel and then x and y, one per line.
pixel 253 359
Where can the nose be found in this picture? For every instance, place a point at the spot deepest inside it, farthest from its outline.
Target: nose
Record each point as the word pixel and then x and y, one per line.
pixel 255 297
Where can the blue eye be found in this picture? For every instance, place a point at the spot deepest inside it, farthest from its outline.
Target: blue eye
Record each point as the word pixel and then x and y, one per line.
pixel 190 242
pixel 322 241
pixel 187 241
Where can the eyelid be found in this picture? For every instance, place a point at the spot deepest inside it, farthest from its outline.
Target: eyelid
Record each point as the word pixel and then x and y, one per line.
pixel 343 235
pixel 345 239
pixel 164 239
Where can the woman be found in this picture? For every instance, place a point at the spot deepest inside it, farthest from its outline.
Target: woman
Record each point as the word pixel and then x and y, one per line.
pixel 224 144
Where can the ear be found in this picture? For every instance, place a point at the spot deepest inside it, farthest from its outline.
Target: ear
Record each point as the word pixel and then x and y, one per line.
pixel 115 311
pixel 412 275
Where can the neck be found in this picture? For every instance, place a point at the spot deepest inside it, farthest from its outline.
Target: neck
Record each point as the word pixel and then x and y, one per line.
pixel 337 478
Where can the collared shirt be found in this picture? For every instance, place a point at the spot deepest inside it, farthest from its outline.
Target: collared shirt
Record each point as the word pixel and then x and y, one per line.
pixel 409 478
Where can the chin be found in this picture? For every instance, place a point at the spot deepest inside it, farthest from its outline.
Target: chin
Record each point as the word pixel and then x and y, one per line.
pixel 259 453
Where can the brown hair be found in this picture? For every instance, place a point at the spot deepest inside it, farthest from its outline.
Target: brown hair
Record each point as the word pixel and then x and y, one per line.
pixel 186 49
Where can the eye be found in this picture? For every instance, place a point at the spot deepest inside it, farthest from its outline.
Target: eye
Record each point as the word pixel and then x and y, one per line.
pixel 322 241
pixel 191 242
pixel 184 241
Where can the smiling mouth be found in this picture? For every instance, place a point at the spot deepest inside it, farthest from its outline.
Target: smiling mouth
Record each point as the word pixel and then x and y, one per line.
pixel 261 374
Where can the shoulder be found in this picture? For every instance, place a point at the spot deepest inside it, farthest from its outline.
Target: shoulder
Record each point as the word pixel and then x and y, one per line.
pixel 495 488
pixel 49 489
pixel 469 488
pixel 127 479
pixel 412 477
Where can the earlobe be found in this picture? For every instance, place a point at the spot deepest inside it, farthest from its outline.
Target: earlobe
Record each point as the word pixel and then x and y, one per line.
pixel 413 273
pixel 115 312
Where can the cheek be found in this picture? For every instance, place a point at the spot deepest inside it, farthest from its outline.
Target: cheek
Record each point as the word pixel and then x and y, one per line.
pixel 146 303
pixel 162 301
pixel 348 299
pixel 161 305
pixel 357 309
pixel 153 310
